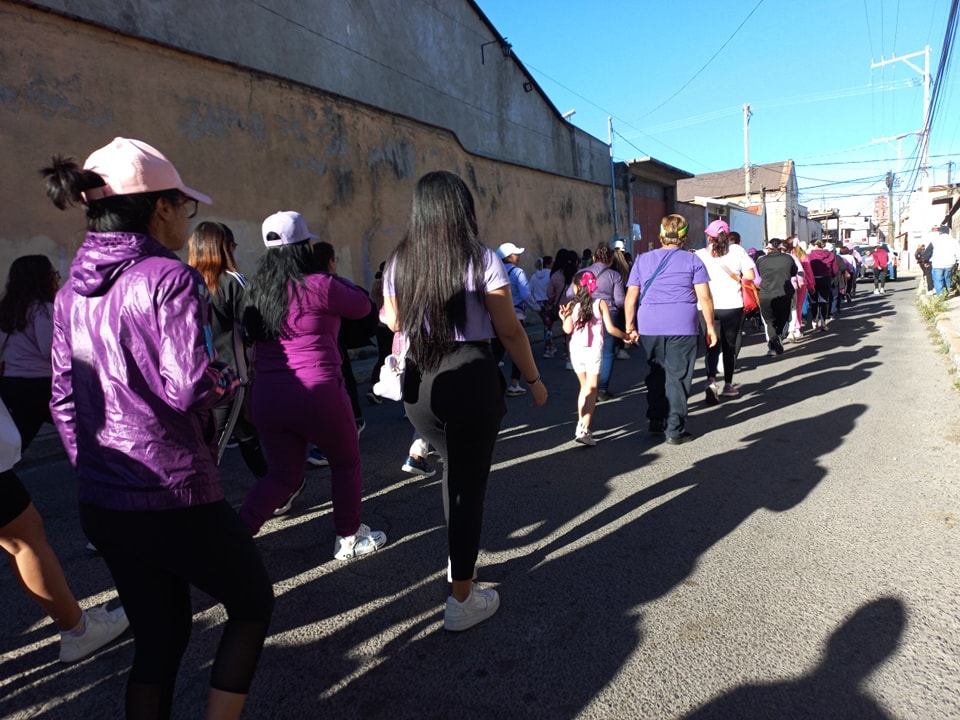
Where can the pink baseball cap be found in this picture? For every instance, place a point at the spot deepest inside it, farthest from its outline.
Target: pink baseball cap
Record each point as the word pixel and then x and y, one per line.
pixel 716 227
pixel 130 167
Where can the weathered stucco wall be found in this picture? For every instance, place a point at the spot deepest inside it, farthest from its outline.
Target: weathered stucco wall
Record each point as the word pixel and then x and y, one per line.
pixel 437 61
pixel 256 144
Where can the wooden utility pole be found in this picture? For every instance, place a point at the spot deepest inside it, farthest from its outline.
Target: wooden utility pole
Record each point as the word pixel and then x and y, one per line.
pixel 746 153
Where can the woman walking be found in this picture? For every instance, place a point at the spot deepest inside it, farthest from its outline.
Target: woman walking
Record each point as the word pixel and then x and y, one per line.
pixel 453 390
pixel 26 322
pixel 134 383
pixel 210 251
pixel 729 266
pixel 26 334
pixel 293 316
pixel 663 291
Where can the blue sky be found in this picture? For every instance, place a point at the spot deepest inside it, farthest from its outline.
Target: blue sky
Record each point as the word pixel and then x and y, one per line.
pixel 675 77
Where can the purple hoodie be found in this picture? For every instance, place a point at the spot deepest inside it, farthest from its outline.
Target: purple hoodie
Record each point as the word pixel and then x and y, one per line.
pixel 134 378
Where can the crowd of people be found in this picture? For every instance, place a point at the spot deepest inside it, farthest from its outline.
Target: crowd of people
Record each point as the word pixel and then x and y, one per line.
pixel 149 367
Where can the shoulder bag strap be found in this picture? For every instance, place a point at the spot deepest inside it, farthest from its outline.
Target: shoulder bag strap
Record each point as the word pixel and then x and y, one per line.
pixel 737 280
pixel 655 273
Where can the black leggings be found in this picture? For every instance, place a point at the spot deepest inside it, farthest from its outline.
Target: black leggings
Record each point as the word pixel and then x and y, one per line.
pixel 823 295
pixel 728 323
pixel 458 408
pixel 154 557
pixel 28 400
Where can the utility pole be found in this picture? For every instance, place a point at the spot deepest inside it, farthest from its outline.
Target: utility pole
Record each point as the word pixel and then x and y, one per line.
pixel 925 131
pixel 890 209
pixel 746 152
pixel 613 179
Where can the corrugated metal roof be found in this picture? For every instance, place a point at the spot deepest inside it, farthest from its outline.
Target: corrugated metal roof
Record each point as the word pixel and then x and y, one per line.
pixel 730 183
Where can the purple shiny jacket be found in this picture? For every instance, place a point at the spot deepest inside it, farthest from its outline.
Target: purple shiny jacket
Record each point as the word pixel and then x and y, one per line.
pixel 134 379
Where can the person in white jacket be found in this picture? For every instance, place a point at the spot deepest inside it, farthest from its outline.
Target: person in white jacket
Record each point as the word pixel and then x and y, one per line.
pixel 945 255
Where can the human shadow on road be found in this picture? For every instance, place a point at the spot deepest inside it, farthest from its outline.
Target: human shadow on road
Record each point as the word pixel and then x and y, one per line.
pixel 834 688
pixel 572 611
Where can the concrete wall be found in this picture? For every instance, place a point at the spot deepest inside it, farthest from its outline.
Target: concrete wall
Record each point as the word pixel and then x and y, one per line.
pixel 417 58
pixel 254 142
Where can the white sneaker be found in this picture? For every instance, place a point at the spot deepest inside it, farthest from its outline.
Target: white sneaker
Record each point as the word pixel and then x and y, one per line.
pixel 516 391
pixel 101 627
pixel 481 604
pixel 584 437
pixel 363 542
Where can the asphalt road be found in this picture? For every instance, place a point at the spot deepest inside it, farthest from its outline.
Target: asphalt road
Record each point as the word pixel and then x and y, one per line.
pixel 799 559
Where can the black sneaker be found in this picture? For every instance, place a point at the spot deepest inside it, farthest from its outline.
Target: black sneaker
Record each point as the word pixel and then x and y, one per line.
pixel 712 395
pixel 680 439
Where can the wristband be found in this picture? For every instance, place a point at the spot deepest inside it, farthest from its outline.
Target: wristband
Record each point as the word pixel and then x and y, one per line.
pixel 534 381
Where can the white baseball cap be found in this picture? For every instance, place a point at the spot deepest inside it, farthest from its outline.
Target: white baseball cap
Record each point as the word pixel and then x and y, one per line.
pixel 289 225
pixel 508 249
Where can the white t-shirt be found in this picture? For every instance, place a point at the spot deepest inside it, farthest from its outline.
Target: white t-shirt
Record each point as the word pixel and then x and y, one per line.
pixel 726 290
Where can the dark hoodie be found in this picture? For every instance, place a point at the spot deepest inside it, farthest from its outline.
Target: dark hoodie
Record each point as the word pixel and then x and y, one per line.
pixel 134 377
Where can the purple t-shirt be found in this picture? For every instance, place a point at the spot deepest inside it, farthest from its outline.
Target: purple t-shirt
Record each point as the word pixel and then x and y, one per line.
pixel 479 326
pixel 313 322
pixel 670 306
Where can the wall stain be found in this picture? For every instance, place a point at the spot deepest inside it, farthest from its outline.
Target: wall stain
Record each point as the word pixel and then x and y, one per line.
pixel 311 164
pixel 399 157
pixel 342 186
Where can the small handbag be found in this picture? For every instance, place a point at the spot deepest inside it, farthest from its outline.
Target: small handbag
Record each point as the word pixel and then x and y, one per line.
pixel 751 296
pixel 748 291
pixel 390 382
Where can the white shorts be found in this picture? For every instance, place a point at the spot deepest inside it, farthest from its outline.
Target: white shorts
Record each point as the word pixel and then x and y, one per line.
pixel 587 361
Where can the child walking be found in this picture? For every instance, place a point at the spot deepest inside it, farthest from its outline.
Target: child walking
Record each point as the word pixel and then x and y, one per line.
pixel 584 320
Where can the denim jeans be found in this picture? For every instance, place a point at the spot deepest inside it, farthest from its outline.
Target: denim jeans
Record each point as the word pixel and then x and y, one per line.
pixel 609 353
pixel 941 279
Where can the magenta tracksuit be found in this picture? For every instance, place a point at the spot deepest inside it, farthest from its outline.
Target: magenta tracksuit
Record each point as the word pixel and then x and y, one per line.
pixel 299 399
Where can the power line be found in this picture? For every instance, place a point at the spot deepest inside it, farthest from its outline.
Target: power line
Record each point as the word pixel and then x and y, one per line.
pixel 712 57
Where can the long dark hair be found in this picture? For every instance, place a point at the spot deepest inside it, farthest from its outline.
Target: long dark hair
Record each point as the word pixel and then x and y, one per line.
pixel 210 251
pixel 567 262
pixel 323 253
pixel 432 262
pixel 583 299
pixel 268 298
pixel 720 244
pixel 30 282
pixel 65 180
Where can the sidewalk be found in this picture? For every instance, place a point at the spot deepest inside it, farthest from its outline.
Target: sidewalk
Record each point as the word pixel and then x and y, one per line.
pixel 948 323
